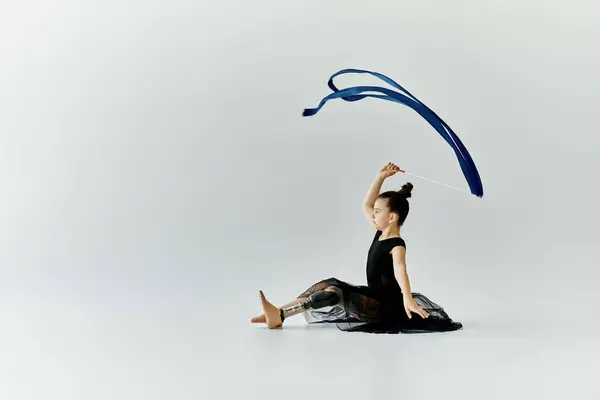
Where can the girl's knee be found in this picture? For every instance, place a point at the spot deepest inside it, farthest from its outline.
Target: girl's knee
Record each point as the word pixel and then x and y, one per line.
pixel 334 289
pixel 332 282
pixel 326 297
pixel 321 285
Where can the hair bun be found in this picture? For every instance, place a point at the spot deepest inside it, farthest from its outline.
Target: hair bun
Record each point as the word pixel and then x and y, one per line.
pixel 406 190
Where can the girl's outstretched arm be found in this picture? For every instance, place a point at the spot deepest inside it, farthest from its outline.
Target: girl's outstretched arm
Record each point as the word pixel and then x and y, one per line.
pixel 410 305
pixel 399 257
pixel 373 192
pixel 369 201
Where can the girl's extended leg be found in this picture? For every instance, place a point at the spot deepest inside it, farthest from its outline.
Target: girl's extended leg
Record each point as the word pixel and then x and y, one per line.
pixel 325 283
pixel 275 316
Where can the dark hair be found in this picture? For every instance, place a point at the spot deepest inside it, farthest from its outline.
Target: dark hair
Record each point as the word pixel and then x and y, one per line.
pixel 397 201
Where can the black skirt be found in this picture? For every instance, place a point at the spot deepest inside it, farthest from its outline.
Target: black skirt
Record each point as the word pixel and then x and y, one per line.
pixel 361 310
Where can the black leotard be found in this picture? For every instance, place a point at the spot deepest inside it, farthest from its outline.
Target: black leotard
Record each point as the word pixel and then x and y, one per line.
pixel 378 307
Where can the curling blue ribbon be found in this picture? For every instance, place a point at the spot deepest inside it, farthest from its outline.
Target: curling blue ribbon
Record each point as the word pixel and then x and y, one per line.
pixel 354 94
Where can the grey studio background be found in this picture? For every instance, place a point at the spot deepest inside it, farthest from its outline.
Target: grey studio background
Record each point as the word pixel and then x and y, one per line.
pixel 155 173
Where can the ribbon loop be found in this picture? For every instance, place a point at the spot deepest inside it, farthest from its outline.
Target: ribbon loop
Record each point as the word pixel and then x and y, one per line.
pixel 356 93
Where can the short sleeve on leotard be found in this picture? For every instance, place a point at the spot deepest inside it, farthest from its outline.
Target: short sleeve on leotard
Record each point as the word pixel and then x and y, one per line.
pixel 397 242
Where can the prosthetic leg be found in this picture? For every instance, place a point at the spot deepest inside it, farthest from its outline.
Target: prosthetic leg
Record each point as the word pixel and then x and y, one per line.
pixel 323 298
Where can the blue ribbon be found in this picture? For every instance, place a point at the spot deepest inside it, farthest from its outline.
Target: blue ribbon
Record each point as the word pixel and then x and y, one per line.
pixel 355 93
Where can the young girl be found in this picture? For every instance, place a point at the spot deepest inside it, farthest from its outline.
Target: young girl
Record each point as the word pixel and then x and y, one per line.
pixel 386 304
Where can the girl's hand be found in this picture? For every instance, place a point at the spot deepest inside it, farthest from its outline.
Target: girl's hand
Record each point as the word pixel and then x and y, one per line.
pixel 410 305
pixel 389 170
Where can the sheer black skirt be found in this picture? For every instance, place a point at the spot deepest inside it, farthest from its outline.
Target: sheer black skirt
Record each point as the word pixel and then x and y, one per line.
pixel 359 310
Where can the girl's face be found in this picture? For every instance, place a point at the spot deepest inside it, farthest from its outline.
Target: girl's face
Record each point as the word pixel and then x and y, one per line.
pixel 381 215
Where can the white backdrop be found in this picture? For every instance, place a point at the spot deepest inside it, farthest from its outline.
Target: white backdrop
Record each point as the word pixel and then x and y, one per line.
pixel 155 172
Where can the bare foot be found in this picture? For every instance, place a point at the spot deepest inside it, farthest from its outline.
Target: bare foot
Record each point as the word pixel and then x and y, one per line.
pixel 259 319
pixel 270 312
